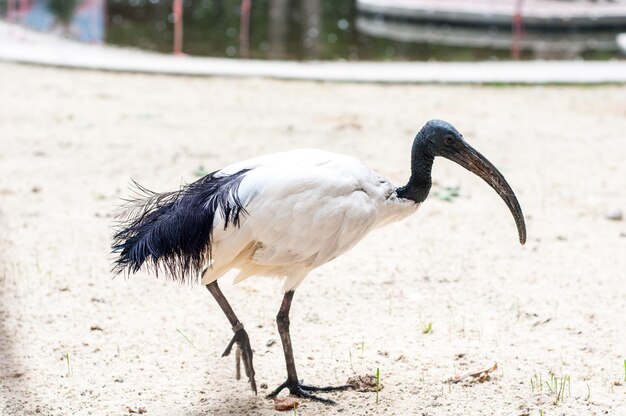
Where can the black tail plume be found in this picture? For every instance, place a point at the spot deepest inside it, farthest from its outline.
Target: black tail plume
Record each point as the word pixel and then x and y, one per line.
pixel 173 231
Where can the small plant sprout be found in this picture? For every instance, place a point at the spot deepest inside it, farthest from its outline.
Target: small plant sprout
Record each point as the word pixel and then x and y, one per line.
pixel 362 348
pixel 350 354
pixel 377 383
pixel 569 387
pixel 69 366
pixel 186 338
pixel 427 328
pixel 550 383
pixel 565 380
pixel 625 370
pixel 536 383
pixel 295 406
pixel 588 393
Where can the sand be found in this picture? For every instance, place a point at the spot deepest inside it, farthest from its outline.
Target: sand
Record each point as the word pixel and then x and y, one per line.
pixel 74 340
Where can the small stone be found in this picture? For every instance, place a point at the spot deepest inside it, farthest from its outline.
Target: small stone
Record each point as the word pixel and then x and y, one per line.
pixel 367 382
pixel 285 403
pixel 614 215
pixel 270 342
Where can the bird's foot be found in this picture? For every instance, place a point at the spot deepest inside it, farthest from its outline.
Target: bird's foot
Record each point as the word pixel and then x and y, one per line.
pixel 243 353
pixel 300 390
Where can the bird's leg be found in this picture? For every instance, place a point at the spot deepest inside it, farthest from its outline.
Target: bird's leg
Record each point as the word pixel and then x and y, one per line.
pixel 292 383
pixel 244 351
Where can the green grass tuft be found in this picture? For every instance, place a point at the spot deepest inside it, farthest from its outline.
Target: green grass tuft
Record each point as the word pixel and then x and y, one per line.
pixel 448 194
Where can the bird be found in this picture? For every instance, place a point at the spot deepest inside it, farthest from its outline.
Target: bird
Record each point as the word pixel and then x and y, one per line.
pixel 282 215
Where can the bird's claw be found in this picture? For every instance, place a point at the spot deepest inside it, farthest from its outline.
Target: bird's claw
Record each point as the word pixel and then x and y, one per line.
pixel 243 353
pixel 300 390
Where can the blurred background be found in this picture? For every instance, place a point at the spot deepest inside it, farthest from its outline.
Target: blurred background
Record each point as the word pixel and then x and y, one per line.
pixel 374 30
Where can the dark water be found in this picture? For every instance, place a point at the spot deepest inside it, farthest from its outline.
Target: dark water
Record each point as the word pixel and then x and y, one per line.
pixel 295 29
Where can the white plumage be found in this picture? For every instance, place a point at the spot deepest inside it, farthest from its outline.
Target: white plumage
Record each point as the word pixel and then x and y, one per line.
pixel 304 208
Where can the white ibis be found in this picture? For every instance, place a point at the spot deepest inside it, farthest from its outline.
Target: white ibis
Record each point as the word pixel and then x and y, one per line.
pixel 283 215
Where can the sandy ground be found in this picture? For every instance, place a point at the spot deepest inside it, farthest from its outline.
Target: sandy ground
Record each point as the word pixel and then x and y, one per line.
pixel 76 341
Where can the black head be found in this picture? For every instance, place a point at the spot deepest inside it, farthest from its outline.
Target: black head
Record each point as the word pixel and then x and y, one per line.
pixel 440 138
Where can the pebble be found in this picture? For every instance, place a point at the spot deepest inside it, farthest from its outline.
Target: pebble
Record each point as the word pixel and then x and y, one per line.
pixel 615 215
pixel 285 403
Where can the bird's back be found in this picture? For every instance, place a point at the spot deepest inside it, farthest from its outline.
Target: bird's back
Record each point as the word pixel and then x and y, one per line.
pixel 304 208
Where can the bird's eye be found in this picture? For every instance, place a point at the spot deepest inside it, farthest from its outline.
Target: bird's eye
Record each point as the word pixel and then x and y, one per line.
pixel 448 139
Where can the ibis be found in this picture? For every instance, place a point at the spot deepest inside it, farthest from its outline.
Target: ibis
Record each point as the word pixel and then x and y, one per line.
pixel 282 215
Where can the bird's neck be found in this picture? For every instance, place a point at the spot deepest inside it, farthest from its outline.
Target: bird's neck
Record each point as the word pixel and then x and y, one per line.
pixel 419 184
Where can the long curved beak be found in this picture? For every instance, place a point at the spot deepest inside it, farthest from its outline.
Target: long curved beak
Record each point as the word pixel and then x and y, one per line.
pixel 472 160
